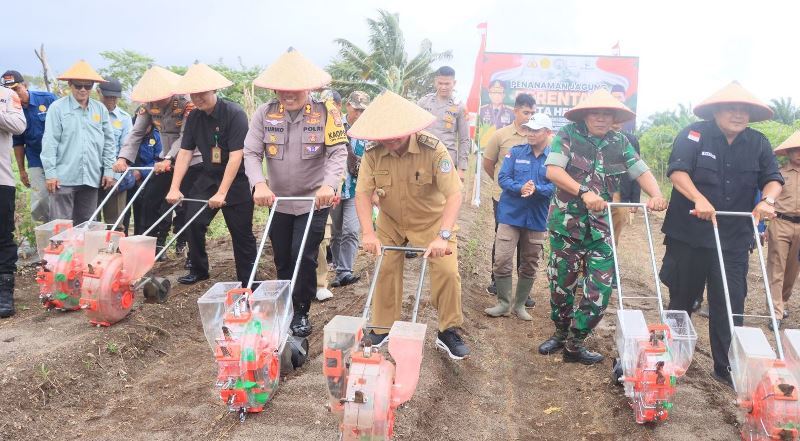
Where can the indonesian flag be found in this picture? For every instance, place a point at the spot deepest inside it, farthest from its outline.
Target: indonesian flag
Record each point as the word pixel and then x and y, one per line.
pixel 474 98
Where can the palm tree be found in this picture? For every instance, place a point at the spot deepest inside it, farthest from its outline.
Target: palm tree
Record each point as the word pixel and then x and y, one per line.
pixel 385 65
pixel 679 118
pixel 785 111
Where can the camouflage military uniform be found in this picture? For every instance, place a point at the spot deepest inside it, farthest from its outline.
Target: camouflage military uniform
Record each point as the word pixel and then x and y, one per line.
pixel 579 239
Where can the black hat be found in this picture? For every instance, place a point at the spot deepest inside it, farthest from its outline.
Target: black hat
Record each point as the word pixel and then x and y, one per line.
pixel 112 87
pixel 12 77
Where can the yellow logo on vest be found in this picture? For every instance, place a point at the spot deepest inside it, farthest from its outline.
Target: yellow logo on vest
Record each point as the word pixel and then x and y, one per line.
pixel 96 117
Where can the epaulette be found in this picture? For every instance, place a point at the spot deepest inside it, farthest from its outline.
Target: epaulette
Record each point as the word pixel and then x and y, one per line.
pixel 371 145
pixel 427 140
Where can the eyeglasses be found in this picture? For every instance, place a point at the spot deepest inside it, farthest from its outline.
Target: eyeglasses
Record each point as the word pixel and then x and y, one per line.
pixel 83 86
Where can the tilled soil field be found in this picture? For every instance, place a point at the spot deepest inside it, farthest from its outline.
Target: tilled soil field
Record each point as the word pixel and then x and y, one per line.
pixel 151 376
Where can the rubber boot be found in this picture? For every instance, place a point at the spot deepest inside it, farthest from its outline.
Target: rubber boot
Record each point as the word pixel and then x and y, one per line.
pixel 503 307
pixel 523 290
pixel 6 295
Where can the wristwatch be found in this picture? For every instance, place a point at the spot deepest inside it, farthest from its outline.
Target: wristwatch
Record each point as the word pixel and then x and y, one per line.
pixel 583 189
pixel 770 201
pixel 445 234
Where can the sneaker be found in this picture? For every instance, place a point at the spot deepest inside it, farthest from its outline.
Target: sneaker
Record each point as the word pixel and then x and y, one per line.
pixel 300 326
pixel 452 343
pixel 324 294
pixel 377 339
pixel 530 303
pixel 703 312
pixel 345 279
pixel 180 247
pixel 697 304
pixel 491 289
pixel 785 313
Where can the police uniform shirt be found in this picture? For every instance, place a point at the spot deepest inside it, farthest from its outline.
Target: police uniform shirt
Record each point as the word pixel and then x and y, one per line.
pixel 499 117
pixel 169 119
pixel 225 127
pixel 413 187
pixel 450 127
pixel 729 176
pixel 298 160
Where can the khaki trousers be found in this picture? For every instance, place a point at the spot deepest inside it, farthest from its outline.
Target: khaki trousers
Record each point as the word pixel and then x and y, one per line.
pixel 530 243
pixel 782 264
pixel 322 261
pixel 445 280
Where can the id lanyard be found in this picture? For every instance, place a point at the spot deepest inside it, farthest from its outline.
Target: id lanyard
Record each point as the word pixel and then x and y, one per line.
pixel 216 152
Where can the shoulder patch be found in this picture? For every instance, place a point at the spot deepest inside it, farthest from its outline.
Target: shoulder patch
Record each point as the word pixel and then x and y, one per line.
pixel 694 135
pixel 371 145
pixel 445 165
pixel 427 141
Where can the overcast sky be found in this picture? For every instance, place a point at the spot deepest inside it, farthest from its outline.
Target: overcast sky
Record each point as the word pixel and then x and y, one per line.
pixel 687 49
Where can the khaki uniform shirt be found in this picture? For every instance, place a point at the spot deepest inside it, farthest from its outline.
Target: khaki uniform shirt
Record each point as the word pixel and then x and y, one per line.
pixel 12 122
pixel 169 120
pixel 298 161
pixel 788 202
pixel 413 187
pixel 451 126
pixel 497 147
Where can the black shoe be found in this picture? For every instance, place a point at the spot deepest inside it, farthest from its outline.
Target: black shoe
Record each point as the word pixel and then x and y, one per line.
pixel 492 289
pixel 723 378
pixel 530 303
pixel 180 247
pixel 346 279
pixel 451 342
pixel 7 295
pixel 776 321
pixel 163 256
pixel 411 255
pixel 552 344
pixel 192 278
pixel 579 354
pixel 300 326
pixel 188 264
pixel 377 339
pixel 697 305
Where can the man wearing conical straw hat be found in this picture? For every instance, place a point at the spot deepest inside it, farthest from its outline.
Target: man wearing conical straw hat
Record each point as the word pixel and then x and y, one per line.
pixel 166 111
pixel 77 147
pixel 717 164
pixel 587 161
pixel 783 265
pixel 304 144
pixel 414 176
pixel 216 128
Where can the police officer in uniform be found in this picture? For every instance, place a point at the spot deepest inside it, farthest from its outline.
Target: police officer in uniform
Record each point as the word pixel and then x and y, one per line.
pixel 165 111
pixel 717 164
pixel 420 195
pixel 216 128
pixel 496 113
pixel 451 126
pixel 586 162
pixel 304 143
pixel 12 122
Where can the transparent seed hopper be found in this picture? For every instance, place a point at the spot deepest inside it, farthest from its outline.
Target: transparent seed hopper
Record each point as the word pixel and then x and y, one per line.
pixel 364 387
pixel 652 356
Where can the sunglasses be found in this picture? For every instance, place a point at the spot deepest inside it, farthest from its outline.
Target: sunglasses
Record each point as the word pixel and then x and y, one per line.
pixel 10 85
pixel 83 86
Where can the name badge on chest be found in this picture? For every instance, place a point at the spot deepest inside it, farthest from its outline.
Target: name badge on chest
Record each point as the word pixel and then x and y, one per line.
pixel 216 152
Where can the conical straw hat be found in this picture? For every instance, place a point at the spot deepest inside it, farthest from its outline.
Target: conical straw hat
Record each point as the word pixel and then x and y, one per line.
pixel 292 72
pixel 600 99
pixel 201 78
pixel 792 142
pixel 81 71
pixel 390 116
pixel 734 93
pixel 156 84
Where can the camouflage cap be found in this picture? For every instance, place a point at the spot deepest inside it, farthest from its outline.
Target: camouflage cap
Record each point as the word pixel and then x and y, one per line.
pixel 358 99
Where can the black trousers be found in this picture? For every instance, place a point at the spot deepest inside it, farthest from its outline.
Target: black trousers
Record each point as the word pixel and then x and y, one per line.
pixel 687 270
pixel 154 204
pixel 238 219
pixel 286 234
pixel 8 247
pixel 494 209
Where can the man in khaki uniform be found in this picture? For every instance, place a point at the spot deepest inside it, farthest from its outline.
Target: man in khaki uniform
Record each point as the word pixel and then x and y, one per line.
pixel 497 147
pixel 304 144
pixel 783 232
pixel 451 126
pixel 165 111
pixel 420 195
